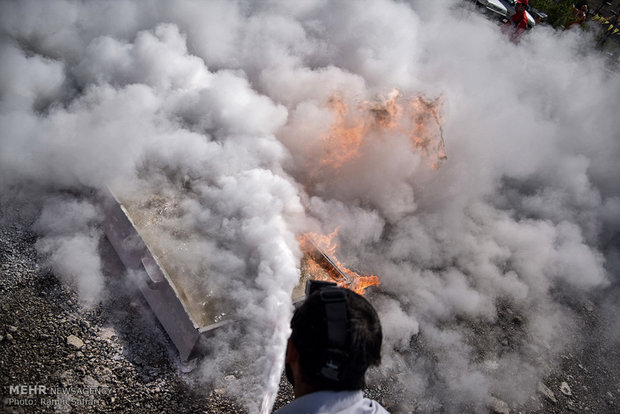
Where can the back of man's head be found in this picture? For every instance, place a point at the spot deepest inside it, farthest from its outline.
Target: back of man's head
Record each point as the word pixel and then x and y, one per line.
pixel 341 367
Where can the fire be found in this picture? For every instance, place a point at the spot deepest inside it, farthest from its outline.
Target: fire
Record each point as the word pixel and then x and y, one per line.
pixel 323 264
pixel 417 116
pixel 343 141
pixel 387 112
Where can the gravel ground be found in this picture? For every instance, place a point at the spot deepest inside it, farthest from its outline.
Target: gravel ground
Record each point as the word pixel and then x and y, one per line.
pixel 115 357
pixel 111 358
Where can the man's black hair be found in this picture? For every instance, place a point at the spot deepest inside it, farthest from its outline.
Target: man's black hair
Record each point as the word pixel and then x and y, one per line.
pixel 362 346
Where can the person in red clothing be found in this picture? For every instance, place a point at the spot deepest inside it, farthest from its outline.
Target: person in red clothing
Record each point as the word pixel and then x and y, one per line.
pixel 518 21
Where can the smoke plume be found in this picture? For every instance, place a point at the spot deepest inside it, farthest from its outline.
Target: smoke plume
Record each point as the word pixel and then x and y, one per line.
pixel 223 108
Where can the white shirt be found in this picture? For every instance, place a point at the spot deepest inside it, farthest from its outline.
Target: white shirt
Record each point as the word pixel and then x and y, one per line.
pixel 333 402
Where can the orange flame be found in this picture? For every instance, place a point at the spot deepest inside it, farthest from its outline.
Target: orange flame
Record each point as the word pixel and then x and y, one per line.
pixel 323 264
pixel 417 116
pixel 343 142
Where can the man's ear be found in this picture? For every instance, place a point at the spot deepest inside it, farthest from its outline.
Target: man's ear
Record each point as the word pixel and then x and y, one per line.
pixel 292 355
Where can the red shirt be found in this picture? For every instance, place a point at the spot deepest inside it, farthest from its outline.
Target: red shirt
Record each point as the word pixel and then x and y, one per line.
pixel 519 19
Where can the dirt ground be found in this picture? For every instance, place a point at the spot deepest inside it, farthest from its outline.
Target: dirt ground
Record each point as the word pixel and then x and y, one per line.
pixel 115 357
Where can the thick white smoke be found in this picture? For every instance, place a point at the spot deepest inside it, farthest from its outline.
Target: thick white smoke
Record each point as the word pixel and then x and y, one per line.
pixel 221 106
